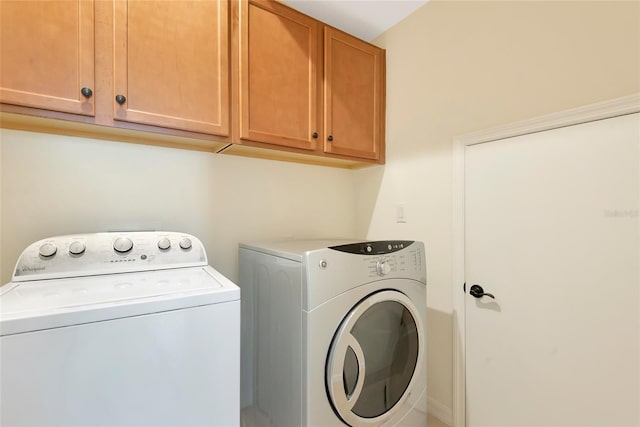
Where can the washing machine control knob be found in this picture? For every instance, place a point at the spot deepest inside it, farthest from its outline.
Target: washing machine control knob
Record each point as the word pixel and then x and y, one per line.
pixel 122 245
pixel 383 268
pixel 47 250
pixel 77 248
pixel 185 243
pixel 164 244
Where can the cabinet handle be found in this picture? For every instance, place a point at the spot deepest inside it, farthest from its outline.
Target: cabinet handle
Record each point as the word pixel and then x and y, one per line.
pixel 315 135
pixel 330 138
pixel 86 92
pixel 120 99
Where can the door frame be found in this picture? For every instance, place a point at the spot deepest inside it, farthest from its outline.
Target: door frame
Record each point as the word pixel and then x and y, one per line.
pixel 602 110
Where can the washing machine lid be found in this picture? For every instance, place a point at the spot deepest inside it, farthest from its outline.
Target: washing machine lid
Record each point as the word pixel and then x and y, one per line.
pixel 44 304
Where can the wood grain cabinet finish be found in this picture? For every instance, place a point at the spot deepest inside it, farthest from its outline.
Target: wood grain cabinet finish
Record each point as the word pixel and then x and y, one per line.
pixel 171 64
pixel 305 85
pixel 279 54
pixel 353 96
pixel 47 50
pixel 201 74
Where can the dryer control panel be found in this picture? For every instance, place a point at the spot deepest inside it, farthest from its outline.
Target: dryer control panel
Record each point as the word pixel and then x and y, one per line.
pixel 338 269
pixel 108 253
pixel 374 248
pixel 386 257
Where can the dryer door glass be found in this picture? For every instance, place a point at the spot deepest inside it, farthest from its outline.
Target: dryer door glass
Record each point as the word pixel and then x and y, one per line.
pixel 388 336
pixel 373 357
pixel 350 372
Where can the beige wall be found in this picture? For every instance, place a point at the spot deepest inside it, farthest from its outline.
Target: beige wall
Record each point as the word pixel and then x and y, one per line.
pixel 53 185
pixel 454 67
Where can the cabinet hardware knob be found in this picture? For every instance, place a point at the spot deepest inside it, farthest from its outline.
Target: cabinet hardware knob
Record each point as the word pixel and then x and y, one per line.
pixel 86 92
pixel 330 138
pixel 315 135
pixel 120 99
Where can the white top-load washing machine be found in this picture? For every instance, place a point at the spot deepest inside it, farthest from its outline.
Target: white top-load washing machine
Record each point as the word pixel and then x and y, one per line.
pixel 115 329
pixel 333 333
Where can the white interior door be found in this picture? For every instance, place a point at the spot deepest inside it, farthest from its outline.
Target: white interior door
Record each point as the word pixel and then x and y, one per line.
pixel 552 231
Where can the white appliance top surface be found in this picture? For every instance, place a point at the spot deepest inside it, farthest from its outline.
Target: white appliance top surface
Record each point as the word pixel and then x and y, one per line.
pixel 37 305
pixel 99 284
pixel 294 249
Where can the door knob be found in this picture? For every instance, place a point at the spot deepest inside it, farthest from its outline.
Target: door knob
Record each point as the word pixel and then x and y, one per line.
pixel 477 292
pixel 120 99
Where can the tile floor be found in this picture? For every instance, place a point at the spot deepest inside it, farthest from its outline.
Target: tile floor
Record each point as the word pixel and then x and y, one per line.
pixel 248 420
pixel 434 422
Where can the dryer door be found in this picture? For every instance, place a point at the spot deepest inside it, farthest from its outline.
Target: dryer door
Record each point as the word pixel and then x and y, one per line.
pixel 373 358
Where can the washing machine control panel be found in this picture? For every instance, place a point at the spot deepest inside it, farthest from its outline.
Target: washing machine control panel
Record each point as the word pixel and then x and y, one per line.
pixel 108 253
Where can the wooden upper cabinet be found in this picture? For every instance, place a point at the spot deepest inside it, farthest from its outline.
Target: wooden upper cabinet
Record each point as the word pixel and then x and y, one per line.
pixel 279 81
pixel 304 85
pixel 171 64
pixel 47 50
pixel 353 96
pixel 254 73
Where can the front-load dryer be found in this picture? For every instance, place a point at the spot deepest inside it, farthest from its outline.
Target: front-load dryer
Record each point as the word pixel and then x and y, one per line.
pixel 333 333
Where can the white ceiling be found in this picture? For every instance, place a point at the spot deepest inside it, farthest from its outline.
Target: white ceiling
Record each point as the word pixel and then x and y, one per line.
pixel 365 19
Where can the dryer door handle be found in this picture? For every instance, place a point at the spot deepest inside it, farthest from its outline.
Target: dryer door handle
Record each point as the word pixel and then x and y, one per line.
pixel 344 399
pixel 357 349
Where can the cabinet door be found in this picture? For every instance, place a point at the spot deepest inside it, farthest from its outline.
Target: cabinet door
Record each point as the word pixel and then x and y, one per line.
pixel 279 85
pixel 47 54
pixel 353 96
pixel 171 61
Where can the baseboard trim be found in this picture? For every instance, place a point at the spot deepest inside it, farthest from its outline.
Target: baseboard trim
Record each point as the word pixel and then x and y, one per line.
pixel 440 411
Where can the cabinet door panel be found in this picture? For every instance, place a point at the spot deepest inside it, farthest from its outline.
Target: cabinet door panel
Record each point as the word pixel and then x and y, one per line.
pixel 353 96
pixel 171 62
pixel 47 54
pixel 279 83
